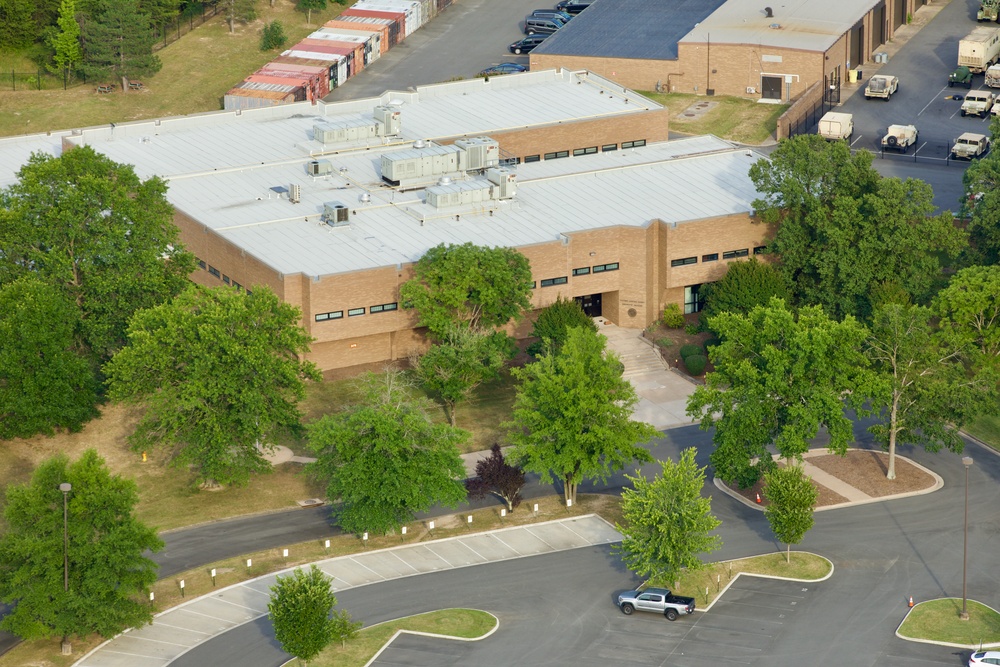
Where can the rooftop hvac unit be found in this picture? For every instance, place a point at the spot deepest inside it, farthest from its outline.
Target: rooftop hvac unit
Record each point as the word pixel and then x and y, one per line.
pixel 335 214
pixel 505 181
pixel 319 167
pixel 294 193
pixel 344 130
pixel 481 153
pixel 388 119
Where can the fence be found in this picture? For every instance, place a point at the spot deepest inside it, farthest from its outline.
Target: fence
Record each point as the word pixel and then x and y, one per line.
pixel 808 118
pixel 194 15
pixel 40 79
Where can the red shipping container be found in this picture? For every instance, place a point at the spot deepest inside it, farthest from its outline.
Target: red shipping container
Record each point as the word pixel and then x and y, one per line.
pixel 381 29
pixel 396 34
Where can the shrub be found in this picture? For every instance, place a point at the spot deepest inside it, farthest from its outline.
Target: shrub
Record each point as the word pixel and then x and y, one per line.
pixel 665 342
pixel 688 349
pixel 692 329
pixel 712 342
pixel 695 364
pixel 673 318
pixel 273 36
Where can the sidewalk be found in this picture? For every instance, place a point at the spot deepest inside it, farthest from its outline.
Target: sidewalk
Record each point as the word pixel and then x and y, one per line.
pixel 180 629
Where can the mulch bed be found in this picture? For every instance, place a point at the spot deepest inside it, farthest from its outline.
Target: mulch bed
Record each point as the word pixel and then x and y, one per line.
pixel 826 496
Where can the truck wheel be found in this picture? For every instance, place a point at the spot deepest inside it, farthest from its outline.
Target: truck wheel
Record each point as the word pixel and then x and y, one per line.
pixel 670 614
pixel 968 85
pixel 627 609
pixel 951 84
pixel 963 113
pixel 954 156
pixel 892 140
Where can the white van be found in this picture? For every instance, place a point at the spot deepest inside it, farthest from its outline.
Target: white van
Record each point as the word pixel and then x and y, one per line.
pixel 835 125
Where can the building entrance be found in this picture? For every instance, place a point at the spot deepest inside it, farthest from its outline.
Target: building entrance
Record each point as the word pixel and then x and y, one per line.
pixel 591 304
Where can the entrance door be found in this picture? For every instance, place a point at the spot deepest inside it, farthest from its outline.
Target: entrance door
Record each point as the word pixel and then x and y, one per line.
pixel 770 87
pixel 857 45
pixel 899 13
pixel 878 26
pixel 591 304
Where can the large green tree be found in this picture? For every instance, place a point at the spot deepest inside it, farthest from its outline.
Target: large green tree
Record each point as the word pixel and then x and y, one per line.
pixel 17 29
pixel 383 460
pixel 745 285
pixel 243 11
pixel 791 497
pixel 468 285
pixel 109 573
pixel 667 522
pixel 553 324
pixel 572 416
pixel 300 610
pixel 840 228
pixel 65 42
pixel 981 203
pixel 308 6
pixel 44 383
pixel 118 42
pixel 969 311
pixel 778 378
pixel 91 227
pixel 220 372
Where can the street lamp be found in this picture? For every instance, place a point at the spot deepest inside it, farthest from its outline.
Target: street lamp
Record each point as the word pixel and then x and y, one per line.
pixel 967 462
pixel 65 487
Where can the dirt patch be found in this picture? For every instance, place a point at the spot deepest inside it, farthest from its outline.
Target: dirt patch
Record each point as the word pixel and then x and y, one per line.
pixel 825 498
pixel 865 470
pixel 670 341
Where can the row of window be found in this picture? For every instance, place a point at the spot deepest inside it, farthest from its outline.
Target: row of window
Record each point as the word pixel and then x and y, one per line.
pixel 714 257
pixel 582 271
pixel 589 150
pixel 223 277
pixel 355 312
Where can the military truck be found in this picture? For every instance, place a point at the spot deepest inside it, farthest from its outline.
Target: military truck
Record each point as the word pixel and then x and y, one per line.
pixel 835 125
pixel 977 103
pixel 988 10
pixel 970 145
pixel 900 138
pixel 993 77
pixel 961 76
pixel 881 85
pixel 979 49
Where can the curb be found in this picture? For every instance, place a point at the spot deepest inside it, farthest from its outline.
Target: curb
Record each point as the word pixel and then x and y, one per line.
pixel 973 647
pixel 429 634
pixel 765 576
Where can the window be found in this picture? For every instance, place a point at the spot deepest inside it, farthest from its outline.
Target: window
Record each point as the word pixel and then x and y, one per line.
pixel 549 282
pixel 582 271
pixel 692 299
pixel 335 315
pixel 354 312
pixel 609 147
pixel 684 261
pixel 383 308
pixel 601 268
pixel 201 263
pixel 584 151
pixel 634 144
pixel 759 250
pixel 732 254
pixel 226 280
pixel 214 271
pixel 713 257
pixel 556 155
pixel 532 158
pixel 239 288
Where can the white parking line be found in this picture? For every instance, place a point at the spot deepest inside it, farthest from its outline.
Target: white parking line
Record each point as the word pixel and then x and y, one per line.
pixel 936 95
pixel 860 137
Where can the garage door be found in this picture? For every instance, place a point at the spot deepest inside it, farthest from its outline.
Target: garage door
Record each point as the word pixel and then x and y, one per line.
pixel 898 13
pixel 770 87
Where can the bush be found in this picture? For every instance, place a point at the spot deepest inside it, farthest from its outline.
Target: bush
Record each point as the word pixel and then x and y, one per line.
pixel 665 342
pixel 695 364
pixel 712 342
pixel 688 349
pixel 692 329
pixel 673 318
pixel 273 36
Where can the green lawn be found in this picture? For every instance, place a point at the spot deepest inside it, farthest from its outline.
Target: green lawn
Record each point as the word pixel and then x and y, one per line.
pixel 938 620
pixel 733 118
pixel 986 429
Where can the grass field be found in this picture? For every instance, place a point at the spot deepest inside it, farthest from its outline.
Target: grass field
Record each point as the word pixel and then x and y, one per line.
pixel 732 118
pixel 938 620
pixel 197 71
pixel 986 429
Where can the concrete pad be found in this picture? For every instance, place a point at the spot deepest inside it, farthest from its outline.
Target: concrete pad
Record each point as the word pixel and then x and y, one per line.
pixel 421 558
pixel 148 648
pixel 223 611
pixel 191 619
pixel 351 572
pixel 593 529
pixel 109 657
pixel 262 584
pixel 457 554
pixel 246 596
pixel 170 633
pixel 387 563
pixel 558 536
pixel 524 542
pixel 487 543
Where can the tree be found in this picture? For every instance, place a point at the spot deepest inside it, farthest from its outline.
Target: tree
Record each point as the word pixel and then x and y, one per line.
pixel 44 384
pixel 273 36
pixel 465 359
pixel 969 308
pixel 745 285
pixel 383 460
pixel 309 5
pixel 469 285
pixel 161 12
pixel 840 228
pixel 667 522
pixel 243 11
pixel 219 372
pixel 553 322
pixel 494 475
pixel 300 608
pixel 791 497
pixel 92 228
pixel 109 575
pixel 778 378
pixel 981 203
pixel 572 415
pixel 66 42
pixel 17 30
pixel 118 42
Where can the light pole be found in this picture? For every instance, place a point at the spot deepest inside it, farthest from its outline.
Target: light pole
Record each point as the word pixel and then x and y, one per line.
pixel 967 462
pixel 65 487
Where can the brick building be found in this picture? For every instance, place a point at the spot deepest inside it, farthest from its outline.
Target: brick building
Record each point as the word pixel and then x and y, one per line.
pixel 316 201
pixel 750 48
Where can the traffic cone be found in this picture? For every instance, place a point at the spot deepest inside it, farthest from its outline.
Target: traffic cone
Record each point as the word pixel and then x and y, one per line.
pixel 910 603
pixel 758 499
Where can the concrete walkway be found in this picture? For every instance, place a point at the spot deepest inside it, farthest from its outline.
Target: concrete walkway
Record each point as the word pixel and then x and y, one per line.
pixel 180 629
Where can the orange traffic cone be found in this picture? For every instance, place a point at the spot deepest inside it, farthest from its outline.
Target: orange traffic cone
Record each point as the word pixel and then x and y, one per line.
pixel 910 601
pixel 758 499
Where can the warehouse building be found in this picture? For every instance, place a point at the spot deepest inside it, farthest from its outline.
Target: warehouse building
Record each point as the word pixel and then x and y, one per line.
pixel 330 205
pixel 751 48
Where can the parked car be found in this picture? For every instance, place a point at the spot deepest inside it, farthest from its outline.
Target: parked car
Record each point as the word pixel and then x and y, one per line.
pixel 970 145
pixel 551 14
pixel 836 125
pixel 961 76
pixel 536 26
pixel 900 137
pixel 978 103
pixel 659 600
pixel 881 85
pixel 503 68
pixel 984 658
pixel 573 6
pixel 527 44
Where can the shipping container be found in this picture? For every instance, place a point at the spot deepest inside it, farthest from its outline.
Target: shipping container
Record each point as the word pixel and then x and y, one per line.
pixel 380 29
pixel 397 29
pixel 336 64
pixel 316 80
pixel 410 8
pixel 443 5
pixel 390 35
pixel 354 52
pixel 369 38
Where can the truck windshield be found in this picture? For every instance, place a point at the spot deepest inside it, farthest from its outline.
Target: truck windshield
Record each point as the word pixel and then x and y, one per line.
pixel 877 84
